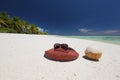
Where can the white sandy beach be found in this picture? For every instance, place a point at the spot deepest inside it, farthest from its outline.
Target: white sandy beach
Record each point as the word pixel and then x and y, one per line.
pixel 22 58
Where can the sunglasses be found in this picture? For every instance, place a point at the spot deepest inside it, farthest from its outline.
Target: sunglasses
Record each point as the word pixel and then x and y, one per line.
pixel 63 46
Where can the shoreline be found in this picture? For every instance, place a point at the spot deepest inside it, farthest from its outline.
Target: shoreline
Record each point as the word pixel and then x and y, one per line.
pixel 22 58
pixel 98 38
pixel 65 37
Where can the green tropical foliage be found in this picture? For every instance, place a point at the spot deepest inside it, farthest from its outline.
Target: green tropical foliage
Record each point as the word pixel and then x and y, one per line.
pixel 17 25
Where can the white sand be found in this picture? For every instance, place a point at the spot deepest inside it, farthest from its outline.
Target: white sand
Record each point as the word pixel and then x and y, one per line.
pixel 21 58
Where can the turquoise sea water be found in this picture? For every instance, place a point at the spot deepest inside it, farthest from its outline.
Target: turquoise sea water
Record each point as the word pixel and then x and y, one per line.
pixel 108 39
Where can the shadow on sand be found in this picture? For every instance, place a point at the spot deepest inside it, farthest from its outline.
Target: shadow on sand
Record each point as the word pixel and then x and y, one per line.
pixel 58 60
pixel 90 59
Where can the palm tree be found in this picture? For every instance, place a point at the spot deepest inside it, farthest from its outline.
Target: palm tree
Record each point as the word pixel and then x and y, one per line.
pixel 27 27
pixel 2 22
pixel 4 19
pixel 17 24
pixel 4 16
pixel 34 29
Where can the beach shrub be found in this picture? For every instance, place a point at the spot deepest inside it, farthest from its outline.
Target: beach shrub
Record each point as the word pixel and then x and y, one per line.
pixel 7 30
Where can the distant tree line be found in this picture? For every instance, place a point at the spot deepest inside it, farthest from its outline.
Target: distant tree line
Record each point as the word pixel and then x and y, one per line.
pixel 17 25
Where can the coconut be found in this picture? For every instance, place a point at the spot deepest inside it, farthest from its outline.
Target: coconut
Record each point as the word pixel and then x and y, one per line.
pixel 93 52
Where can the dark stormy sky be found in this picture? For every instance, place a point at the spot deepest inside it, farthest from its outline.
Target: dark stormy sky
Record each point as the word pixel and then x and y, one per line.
pixel 68 17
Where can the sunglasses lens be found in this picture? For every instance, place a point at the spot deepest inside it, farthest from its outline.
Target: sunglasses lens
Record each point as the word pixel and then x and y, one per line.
pixel 57 45
pixel 64 46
